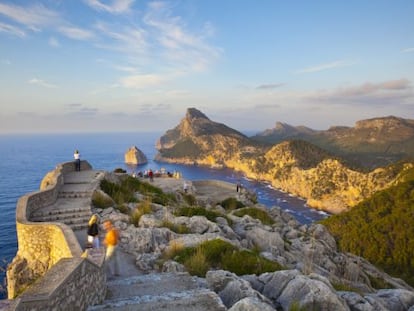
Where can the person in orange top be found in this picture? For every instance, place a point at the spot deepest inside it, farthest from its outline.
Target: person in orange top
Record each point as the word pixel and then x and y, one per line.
pixel 111 243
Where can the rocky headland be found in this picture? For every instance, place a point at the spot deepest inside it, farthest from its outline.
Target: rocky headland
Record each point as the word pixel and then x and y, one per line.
pixel 182 231
pixel 295 166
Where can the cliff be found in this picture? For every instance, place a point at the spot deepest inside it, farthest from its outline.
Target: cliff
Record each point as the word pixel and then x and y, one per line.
pixel 198 140
pixel 371 143
pixel 297 167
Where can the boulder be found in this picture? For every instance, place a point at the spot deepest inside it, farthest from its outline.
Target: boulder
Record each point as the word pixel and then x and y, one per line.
pixel 135 156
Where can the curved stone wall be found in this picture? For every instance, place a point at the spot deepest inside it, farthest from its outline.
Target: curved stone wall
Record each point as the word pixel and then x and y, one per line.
pixel 43 245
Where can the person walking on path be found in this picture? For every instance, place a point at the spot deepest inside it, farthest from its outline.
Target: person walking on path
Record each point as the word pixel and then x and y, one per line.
pixel 93 232
pixel 111 243
pixel 76 156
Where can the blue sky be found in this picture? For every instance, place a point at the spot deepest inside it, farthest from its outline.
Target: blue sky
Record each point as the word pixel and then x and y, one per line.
pixel 125 65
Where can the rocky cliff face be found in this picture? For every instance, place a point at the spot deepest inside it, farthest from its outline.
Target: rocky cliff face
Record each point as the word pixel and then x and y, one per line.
pixel 297 167
pixel 371 142
pixel 135 156
pixel 198 140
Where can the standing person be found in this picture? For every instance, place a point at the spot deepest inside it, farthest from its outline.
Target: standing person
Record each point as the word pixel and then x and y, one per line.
pixel 151 175
pixel 93 232
pixel 76 156
pixel 185 187
pixel 111 243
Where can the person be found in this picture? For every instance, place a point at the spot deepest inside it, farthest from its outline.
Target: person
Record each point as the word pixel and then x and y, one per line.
pixel 238 186
pixel 111 243
pixel 185 187
pixel 76 155
pixel 151 175
pixel 93 232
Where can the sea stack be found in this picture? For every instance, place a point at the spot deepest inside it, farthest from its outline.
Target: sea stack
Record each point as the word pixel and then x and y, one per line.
pixel 135 156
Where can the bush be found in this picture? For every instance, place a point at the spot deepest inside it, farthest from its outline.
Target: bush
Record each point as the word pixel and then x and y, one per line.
pixel 119 170
pixel 180 229
pixel 189 199
pixel 100 200
pixel 219 254
pixel 256 213
pixel 197 211
pixel 141 209
pixel 231 204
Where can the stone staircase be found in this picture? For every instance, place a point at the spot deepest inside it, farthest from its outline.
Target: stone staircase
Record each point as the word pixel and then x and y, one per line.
pixel 159 291
pixel 73 205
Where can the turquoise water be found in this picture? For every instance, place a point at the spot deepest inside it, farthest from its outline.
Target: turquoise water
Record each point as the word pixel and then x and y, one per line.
pixel 25 159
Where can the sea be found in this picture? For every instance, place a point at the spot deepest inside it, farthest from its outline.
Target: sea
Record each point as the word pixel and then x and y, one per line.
pixel 26 158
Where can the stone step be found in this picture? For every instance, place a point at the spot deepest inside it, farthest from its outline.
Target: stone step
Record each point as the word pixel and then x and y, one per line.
pixel 63 206
pixel 159 291
pixel 68 219
pixel 151 284
pixel 74 194
pixel 189 300
pixel 62 216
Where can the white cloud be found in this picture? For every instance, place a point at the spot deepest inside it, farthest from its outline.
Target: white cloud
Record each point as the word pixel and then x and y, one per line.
pixel 33 17
pixel 326 66
pixel 12 30
pixel 42 83
pixel 76 33
pixel 116 7
pixel 271 86
pixel 142 81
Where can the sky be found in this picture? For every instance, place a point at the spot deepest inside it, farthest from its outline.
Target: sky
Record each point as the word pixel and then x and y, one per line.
pixel 134 65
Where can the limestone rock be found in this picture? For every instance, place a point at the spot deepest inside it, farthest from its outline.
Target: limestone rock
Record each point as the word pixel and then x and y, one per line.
pixel 135 156
pixel 251 304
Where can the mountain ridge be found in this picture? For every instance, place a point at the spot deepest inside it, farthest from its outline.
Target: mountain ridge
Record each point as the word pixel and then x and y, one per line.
pixel 297 166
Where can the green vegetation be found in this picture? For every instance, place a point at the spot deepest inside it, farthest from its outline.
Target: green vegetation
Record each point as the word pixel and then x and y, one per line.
pixel 189 199
pixel 256 213
pixel 219 254
pixel 230 204
pixel 125 191
pixel 142 208
pixel 198 211
pixel 181 228
pixel 184 148
pixel 381 229
pixel 100 200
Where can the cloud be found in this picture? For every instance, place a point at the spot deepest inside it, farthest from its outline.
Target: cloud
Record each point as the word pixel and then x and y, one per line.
pixel 326 66
pixel 116 7
pixel 32 17
pixel 382 93
pixel 42 83
pixel 182 46
pixel 142 81
pixel 270 86
pixel 408 50
pixel 12 30
pixel 76 33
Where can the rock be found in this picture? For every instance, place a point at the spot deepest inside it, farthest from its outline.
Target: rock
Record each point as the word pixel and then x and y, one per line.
pixel 394 299
pixel 135 156
pixel 251 304
pixel 172 266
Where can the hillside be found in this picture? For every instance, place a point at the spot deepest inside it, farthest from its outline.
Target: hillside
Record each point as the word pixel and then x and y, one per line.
pixel 381 229
pixel 295 166
pixel 370 143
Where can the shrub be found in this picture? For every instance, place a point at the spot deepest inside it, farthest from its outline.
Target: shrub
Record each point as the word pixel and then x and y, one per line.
pixel 181 228
pixel 197 263
pixel 197 211
pixel 124 209
pixel 231 204
pixel 189 199
pixel 256 213
pixel 141 209
pixel 219 254
pixel 100 200
pixel 119 170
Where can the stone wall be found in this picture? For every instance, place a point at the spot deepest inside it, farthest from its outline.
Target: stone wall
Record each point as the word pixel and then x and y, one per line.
pixel 47 247
pixel 71 284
